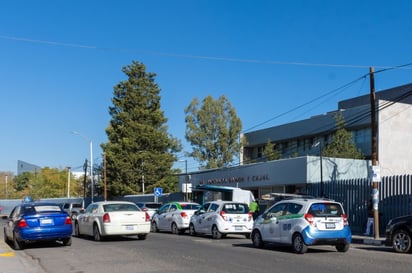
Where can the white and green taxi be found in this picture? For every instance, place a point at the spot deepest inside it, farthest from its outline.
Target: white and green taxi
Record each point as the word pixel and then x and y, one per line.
pixel 302 222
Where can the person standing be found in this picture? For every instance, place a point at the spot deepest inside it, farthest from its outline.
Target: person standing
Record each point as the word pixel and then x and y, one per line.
pixel 254 209
pixel 370 222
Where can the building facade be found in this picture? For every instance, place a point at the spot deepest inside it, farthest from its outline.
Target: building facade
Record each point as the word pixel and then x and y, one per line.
pixel 394 130
pixel 23 167
pixel 301 164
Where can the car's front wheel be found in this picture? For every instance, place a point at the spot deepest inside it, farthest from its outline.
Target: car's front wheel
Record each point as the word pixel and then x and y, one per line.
pixel 192 230
pixel 153 227
pixel 298 244
pixel 257 239
pixel 401 241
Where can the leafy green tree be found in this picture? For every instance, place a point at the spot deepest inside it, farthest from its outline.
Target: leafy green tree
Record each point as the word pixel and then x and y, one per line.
pixel 213 130
pixel 270 152
pixel 139 151
pixel 21 181
pixel 46 183
pixel 342 145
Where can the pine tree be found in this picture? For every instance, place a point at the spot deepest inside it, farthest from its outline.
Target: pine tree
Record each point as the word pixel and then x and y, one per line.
pixel 342 145
pixel 270 152
pixel 139 151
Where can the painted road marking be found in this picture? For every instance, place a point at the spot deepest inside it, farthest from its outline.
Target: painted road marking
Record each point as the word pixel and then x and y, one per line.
pixel 9 252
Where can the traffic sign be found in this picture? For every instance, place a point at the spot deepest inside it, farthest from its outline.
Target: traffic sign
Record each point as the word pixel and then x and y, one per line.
pixel 158 192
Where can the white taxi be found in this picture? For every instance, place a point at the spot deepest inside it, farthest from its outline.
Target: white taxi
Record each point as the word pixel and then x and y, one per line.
pixel 303 222
pixel 219 218
pixel 174 217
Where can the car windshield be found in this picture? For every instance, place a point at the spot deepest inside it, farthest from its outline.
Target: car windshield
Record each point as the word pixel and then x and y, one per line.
pixel 235 208
pixel 120 207
pixel 326 210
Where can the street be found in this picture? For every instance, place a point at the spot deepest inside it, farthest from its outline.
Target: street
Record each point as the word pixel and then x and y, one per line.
pixel 164 252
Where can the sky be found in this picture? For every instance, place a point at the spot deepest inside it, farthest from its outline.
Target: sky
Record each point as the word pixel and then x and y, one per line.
pixel 275 61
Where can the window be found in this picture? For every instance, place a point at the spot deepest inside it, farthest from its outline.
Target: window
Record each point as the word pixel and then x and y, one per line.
pixel 213 207
pixel 260 152
pixel 277 210
pixel 120 207
pixel 163 208
pixel 46 208
pixel 293 208
pixel 236 208
pixel 205 207
pixel 326 210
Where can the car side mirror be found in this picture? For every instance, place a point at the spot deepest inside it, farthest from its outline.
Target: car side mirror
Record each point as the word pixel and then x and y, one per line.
pixel 4 217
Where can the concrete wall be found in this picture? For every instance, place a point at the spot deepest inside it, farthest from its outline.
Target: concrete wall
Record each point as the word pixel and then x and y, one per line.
pixel 395 138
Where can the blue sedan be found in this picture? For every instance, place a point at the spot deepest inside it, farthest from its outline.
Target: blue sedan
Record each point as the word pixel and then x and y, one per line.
pixel 36 222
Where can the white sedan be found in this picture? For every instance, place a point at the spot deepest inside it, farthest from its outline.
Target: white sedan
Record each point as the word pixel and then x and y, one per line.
pixel 112 218
pixel 174 217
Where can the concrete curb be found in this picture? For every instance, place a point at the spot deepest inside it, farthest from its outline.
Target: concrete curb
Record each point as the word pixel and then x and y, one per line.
pixel 5 250
pixel 366 240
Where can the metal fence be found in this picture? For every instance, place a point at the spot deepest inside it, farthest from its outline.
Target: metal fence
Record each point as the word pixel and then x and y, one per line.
pixel 395 199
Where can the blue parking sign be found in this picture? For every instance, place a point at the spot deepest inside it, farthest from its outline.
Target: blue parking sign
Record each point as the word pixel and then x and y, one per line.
pixel 158 192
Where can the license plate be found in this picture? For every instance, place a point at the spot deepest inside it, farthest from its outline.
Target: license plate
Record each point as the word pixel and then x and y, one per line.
pixel 46 221
pixel 238 228
pixel 129 227
pixel 330 225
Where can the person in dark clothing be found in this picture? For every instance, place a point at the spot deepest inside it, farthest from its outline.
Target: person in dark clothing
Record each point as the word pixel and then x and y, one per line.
pixel 370 224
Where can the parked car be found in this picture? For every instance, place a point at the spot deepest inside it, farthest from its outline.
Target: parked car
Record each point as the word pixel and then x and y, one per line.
pixel 112 218
pixel 399 234
pixel 35 222
pixel 219 218
pixel 149 207
pixel 174 217
pixel 73 209
pixel 303 222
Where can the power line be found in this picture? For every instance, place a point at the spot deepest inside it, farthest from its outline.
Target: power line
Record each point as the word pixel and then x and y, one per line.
pixel 188 56
pixel 307 103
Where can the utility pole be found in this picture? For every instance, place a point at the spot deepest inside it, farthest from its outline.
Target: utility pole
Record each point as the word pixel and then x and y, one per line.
pixel 68 182
pixel 84 181
pixel 374 156
pixel 105 181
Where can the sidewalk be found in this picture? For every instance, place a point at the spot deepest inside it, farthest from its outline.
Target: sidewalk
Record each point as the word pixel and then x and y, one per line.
pixel 16 261
pixel 368 240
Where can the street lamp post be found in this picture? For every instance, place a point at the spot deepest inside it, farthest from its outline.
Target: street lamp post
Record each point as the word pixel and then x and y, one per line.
pixel 321 169
pixel 7 190
pixel 91 162
pixel 186 180
pixel 68 182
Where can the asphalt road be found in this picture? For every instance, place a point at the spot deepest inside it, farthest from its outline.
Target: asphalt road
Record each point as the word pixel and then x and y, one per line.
pixel 164 252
